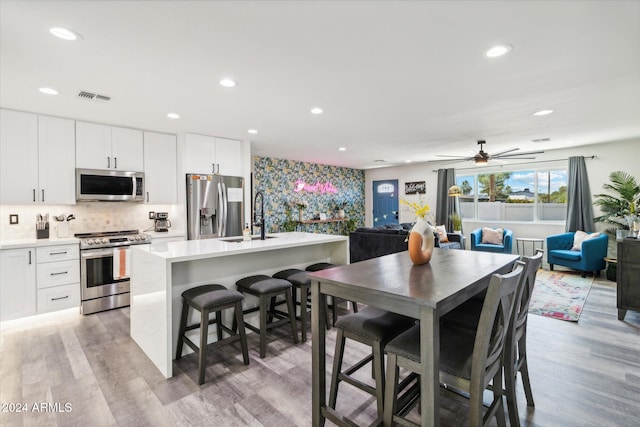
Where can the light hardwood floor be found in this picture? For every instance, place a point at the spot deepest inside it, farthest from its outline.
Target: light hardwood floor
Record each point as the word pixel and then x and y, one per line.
pixel 584 374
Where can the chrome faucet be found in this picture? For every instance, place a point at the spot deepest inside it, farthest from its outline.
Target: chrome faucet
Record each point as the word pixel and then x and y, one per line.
pixel 259 222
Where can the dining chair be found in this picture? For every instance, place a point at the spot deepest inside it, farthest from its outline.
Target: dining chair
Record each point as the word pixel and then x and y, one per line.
pixel 515 358
pixel 469 361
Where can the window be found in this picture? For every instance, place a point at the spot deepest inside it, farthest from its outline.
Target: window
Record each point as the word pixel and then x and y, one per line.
pixel 521 195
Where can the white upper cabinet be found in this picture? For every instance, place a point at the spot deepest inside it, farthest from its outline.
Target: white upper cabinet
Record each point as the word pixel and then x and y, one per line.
pixel 160 168
pixel 108 147
pixel 37 159
pixel 229 157
pixel 18 157
pixel 56 160
pixel 127 149
pixel 210 155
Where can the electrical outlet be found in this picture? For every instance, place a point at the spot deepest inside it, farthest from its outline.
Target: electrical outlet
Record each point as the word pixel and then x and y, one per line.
pixel 152 215
pixel 13 219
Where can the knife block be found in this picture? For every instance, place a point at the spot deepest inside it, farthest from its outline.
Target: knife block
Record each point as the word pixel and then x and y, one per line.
pixel 43 234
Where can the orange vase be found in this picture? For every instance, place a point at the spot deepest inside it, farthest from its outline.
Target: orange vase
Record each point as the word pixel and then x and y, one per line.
pixel 421 242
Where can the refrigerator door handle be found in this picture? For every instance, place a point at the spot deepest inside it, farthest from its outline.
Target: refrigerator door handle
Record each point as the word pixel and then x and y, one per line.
pixel 224 208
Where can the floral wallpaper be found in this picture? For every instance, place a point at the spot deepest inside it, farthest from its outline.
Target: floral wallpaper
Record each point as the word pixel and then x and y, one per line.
pixel 317 188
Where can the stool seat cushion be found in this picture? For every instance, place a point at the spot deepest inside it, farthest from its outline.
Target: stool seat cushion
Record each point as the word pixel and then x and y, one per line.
pixel 456 348
pixel 209 296
pixel 375 324
pixel 320 266
pixel 262 284
pixel 295 276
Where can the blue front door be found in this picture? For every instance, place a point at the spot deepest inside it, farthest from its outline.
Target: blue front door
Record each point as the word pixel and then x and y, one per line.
pixel 385 202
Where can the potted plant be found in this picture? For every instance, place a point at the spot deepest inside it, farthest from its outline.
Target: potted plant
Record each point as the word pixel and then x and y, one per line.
pixel 619 208
pixel 456 220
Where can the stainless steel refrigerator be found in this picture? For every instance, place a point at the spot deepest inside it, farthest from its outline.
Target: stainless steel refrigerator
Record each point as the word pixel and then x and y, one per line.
pixel 214 206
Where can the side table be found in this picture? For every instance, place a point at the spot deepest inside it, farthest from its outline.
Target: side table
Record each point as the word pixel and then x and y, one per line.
pixel 522 241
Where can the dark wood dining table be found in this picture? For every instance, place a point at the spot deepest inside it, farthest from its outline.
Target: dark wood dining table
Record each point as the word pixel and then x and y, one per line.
pixel 393 283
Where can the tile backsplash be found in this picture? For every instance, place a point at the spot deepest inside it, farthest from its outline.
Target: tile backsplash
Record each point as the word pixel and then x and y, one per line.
pixel 90 217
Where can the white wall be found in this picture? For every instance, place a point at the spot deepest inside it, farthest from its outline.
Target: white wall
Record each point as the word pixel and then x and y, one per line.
pixel 610 156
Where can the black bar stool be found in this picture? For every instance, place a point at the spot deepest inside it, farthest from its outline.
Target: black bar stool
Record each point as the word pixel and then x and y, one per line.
pixel 335 301
pixel 266 288
pixel 207 299
pixel 373 327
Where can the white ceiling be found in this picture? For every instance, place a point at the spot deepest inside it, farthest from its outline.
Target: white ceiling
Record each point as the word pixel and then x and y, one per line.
pixel 397 80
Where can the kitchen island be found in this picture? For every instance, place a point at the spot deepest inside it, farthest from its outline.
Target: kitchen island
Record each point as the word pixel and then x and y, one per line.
pixel 161 272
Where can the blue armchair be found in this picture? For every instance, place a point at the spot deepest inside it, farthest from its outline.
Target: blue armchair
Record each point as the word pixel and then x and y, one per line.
pixel 590 258
pixel 505 247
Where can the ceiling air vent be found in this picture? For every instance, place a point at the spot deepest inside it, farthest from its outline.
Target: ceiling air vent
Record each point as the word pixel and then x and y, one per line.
pixel 93 96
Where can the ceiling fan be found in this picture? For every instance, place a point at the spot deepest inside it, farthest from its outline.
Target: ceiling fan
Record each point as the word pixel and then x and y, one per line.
pixel 482 157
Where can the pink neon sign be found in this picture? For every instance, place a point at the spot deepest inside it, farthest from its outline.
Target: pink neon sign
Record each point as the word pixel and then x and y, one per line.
pixel 318 187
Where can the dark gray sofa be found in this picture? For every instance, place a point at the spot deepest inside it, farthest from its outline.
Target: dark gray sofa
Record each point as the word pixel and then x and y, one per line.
pixel 371 242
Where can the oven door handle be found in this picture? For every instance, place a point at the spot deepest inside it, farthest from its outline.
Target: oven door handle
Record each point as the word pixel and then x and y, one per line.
pixel 96 253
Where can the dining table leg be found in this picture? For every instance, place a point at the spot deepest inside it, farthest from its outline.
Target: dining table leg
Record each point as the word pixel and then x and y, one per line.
pixel 430 367
pixel 318 355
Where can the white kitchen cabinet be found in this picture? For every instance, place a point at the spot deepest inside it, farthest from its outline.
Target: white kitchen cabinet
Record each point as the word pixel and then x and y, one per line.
pixel 108 147
pixel 229 157
pixel 56 164
pixel 17 283
pixel 160 168
pixel 58 277
pixel 209 155
pixel 36 155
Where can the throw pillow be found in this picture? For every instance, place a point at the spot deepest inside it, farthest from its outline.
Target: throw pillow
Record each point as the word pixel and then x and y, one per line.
pixel 578 237
pixel 442 234
pixel 492 236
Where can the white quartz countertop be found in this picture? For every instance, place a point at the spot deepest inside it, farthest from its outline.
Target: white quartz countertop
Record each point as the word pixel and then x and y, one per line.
pixel 37 243
pixel 161 234
pixel 209 248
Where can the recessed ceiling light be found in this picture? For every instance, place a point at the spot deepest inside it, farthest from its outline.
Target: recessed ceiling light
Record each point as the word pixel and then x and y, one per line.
pixel 498 50
pixel 571 142
pixel 407 161
pixel 48 91
pixel 342 149
pixel 173 116
pixel 316 110
pixel 65 33
pixel 542 112
pixel 227 83
pixel 253 131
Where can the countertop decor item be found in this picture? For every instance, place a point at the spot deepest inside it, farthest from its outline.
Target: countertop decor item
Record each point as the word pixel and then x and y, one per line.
pixel 421 238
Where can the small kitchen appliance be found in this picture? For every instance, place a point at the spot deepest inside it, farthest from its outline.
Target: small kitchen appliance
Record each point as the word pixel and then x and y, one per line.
pixel 162 222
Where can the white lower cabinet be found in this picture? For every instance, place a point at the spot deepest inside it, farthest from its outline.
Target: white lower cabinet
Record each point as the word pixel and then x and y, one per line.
pixel 58 298
pixel 58 277
pixel 17 283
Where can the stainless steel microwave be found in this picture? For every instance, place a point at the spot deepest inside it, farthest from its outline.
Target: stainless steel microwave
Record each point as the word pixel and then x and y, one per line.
pixel 99 185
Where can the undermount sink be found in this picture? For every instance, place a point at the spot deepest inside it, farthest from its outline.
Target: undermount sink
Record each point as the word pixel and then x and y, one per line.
pixel 239 239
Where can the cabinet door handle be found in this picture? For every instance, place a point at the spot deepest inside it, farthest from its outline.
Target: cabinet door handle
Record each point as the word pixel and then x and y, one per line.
pixel 43 194
pixel 29 257
pixel 56 299
pixel 213 168
pixel 34 194
pixel 58 253
pixel 218 168
pixel 147 197
pixel 59 274
pixel 108 162
pixel 115 163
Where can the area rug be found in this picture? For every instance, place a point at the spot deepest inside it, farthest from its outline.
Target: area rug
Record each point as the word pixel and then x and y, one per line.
pixel 560 295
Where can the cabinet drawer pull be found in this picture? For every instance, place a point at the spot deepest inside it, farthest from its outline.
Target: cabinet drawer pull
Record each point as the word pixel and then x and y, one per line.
pixel 58 253
pixel 59 274
pixel 56 299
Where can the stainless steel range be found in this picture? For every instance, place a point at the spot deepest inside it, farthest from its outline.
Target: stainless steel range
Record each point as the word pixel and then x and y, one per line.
pixel 104 268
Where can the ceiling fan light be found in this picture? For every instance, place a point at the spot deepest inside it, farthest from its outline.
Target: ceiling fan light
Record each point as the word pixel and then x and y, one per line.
pixel 481 161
